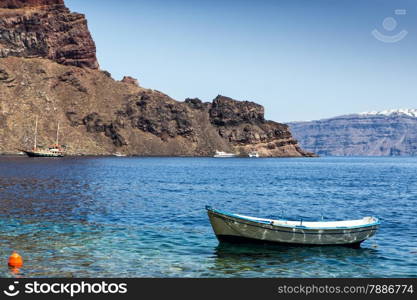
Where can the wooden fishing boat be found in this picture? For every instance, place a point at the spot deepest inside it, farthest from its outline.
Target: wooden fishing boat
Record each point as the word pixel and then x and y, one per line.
pixel 236 228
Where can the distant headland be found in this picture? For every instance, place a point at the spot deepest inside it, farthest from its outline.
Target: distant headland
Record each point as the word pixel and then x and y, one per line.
pixel 377 133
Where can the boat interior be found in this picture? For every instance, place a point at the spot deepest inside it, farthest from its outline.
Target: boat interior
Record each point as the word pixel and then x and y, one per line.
pixel 366 221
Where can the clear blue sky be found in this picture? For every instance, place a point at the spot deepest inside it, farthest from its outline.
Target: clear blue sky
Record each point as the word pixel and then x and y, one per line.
pixel 301 59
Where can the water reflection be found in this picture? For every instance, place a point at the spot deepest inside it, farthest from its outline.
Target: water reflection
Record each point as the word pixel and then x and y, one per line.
pixel 238 260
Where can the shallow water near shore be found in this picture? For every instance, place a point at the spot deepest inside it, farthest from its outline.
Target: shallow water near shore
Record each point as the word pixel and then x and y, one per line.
pixel 145 217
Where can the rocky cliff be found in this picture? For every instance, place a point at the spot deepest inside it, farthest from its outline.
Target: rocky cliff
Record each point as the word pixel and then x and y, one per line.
pixel 45 28
pixel 49 70
pixel 387 133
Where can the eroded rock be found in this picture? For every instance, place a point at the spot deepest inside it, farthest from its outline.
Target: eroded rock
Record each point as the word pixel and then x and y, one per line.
pixel 46 28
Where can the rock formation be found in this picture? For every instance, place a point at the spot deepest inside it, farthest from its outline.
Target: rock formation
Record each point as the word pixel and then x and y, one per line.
pixel 130 80
pixel 14 4
pixel 47 29
pixel 388 133
pixel 48 68
pixel 244 126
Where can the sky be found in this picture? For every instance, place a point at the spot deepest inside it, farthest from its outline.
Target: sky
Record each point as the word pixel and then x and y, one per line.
pixel 301 59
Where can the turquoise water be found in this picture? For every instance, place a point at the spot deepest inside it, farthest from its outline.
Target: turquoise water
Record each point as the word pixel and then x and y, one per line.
pixel 144 217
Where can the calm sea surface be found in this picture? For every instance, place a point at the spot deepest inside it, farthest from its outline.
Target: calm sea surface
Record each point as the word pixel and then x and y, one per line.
pixel 145 217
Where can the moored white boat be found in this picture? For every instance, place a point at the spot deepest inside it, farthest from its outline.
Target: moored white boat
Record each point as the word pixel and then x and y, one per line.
pixel 221 154
pixel 118 154
pixel 230 227
pixel 253 154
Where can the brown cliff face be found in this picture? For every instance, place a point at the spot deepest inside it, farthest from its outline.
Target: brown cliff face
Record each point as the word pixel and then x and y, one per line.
pixel 243 124
pixel 45 29
pixel 13 4
pixel 40 76
pixel 100 116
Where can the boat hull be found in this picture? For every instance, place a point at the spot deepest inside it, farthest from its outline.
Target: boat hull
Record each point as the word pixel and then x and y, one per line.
pixel 36 154
pixel 225 156
pixel 228 228
pixel 232 239
pixel 221 154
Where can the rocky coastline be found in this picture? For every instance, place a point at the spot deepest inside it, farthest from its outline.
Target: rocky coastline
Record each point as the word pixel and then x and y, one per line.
pixel 49 70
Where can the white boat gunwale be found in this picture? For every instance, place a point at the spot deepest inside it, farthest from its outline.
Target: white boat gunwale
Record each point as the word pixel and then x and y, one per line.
pixel 303 227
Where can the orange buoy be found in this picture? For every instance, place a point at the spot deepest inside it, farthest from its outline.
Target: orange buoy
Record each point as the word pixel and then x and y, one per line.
pixel 15 260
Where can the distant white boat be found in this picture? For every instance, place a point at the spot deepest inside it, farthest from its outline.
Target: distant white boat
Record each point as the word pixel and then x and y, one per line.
pixel 230 227
pixel 221 154
pixel 118 154
pixel 254 154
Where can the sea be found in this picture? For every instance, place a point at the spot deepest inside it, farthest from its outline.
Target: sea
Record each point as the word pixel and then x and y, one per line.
pixel 145 217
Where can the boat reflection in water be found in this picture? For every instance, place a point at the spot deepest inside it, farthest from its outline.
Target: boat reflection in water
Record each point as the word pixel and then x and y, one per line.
pixel 250 260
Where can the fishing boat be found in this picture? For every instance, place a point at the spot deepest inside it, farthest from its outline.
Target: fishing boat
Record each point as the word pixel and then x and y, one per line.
pixel 230 227
pixel 54 151
pixel 221 154
pixel 253 154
